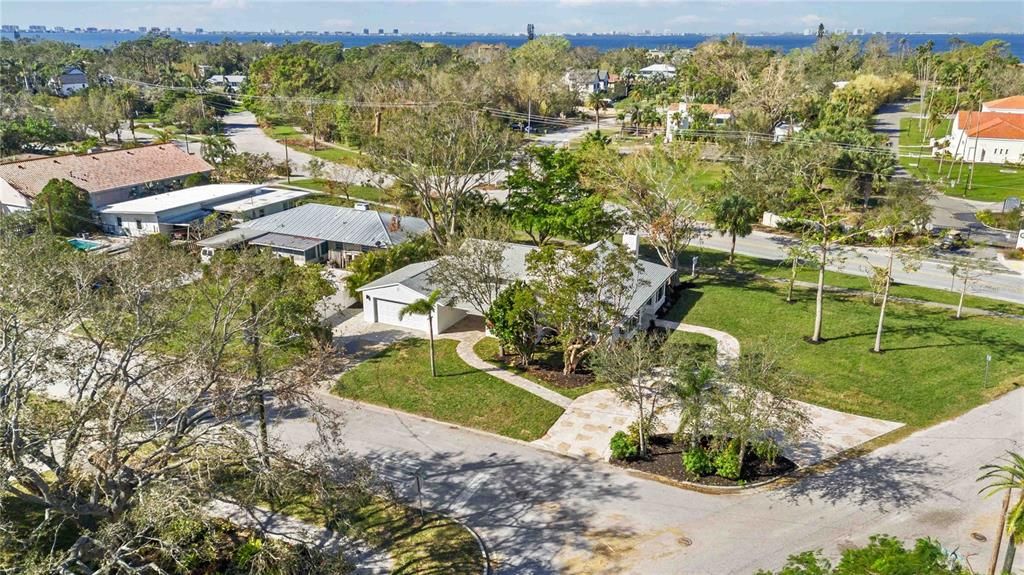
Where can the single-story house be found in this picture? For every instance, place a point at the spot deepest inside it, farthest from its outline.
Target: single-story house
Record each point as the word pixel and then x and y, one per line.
pixel 993 136
pixel 385 297
pixel 171 211
pixel 70 81
pixel 679 116
pixel 315 233
pixel 109 177
pixel 260 205
pixel 230 82
pixel 657 71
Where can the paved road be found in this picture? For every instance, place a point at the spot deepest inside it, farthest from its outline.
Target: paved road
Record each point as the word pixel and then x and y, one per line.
pixel 542 513
pixel 563 138
pixel 947 211
pixel 243 130
pixel 933 273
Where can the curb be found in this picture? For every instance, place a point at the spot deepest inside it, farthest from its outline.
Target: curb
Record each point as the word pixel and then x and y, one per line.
pixel 700 487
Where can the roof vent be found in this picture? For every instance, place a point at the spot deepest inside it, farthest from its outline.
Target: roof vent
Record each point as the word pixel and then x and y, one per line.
pixel 361 206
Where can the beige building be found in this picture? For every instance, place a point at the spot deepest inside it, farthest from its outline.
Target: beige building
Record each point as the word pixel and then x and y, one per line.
pixel 109 177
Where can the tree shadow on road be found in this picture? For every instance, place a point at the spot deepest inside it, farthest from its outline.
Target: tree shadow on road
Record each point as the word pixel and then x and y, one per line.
pixel 887 482
pixel 525 511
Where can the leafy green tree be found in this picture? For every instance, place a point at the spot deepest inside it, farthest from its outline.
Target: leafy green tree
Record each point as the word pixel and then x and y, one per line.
pixel 379 263
pixel 584 294
pixel 735 215
pixel 64 208
pixel 630 366
pixel 425 306
pixel 217 149
pixel 443 156
pixel 316 168
pixel 513 318
pixel 547 199
pixel 755 405
pixel 595 101
pixel 658 189
pixel 905 211
pixel 246 167
pixel 884 555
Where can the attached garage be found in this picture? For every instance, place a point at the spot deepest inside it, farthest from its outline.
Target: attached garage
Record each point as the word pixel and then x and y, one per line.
pixel 387 312
pixel 384 298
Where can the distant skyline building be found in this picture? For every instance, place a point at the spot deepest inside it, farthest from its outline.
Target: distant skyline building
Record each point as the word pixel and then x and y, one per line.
pixel 529 32
pixel 395 31
pixel 366 30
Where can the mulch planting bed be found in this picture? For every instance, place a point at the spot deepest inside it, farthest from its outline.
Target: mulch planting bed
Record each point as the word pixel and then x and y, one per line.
pixel 556 378
pixel 665 459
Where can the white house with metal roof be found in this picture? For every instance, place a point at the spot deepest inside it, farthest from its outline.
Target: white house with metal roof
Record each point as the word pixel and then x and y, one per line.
pixel 258 206
pixel 162 213
pixel 314 233
pixel 384 297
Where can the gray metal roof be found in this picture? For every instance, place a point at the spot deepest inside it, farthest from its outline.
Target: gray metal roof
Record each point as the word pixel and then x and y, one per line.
pixel 649 278
pixel 268 197
pixel 414 276
pixel 339 224
pixel 230 238
pixel 286 242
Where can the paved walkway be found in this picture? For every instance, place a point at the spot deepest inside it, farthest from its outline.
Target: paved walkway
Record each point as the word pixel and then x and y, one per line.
pixel 587 426
pixel 367 560
pixel 468 338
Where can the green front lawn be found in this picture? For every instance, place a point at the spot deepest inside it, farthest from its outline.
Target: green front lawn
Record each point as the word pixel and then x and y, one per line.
pixel 780 270
pixel 933 367
pixel 992 182
pixel 400 378
pixel 913 134
pixel 355 192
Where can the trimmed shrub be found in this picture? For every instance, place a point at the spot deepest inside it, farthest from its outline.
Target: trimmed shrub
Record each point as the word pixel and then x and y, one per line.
pixel 727 461
pixel 697 461
pixel 623 446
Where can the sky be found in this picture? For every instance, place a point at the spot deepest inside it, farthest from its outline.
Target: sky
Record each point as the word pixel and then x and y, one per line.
pixel 512 16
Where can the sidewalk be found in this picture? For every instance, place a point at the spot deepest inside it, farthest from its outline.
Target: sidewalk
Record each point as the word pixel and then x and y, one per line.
pixel 468 339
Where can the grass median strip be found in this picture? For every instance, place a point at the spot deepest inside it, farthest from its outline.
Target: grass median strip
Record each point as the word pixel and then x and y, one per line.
pixel 399 378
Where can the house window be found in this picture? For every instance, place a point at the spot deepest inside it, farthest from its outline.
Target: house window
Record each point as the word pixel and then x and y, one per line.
pixel 138 224
pixel 118 222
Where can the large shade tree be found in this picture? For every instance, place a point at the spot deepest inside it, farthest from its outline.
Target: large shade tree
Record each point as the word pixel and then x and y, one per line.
pixel 443 155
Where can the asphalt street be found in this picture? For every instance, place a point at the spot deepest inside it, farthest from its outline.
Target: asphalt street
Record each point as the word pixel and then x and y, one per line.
pixel 539 512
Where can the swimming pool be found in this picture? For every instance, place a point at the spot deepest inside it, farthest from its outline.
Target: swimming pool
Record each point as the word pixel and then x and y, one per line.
pixel 84 245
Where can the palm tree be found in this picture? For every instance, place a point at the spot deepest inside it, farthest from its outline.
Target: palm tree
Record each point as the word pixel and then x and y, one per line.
pixel 596 102
pixel 217 148
pixel 735 215
pixel 1005 477
pixel 425 307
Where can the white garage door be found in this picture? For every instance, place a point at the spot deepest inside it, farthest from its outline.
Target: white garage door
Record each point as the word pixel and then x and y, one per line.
pixel 387 312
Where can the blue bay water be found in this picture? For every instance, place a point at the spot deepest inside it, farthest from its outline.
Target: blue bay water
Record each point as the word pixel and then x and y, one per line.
pixel 784 42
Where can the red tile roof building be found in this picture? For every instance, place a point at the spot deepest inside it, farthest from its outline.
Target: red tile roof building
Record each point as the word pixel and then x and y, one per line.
pixel 992 136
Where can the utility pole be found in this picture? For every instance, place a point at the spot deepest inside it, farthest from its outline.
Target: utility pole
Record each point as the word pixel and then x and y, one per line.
pixel 287 165
pixel 999 535
pixel 529 114
pixel 974 156
pixel 376 122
